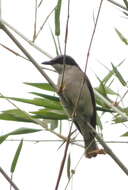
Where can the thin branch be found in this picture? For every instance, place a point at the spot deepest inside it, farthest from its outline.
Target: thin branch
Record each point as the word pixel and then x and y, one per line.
pixel 110 105
pixel 63 160
pixel 69 135
pixel 65 44
pixel 25 38
pixel 40 3
pixel 0 10
pixel 28 55
pixel 35 21
pixel 14 52
pixel 62 140
pixel 108 150
pixel 41 28
pixel 8 179
pixel 73 171
pixel 93 33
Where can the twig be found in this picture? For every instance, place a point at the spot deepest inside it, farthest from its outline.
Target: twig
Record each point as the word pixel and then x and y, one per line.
pixel 73 171
pixel 68 138
pixel 8 179
pixel 110 105
pixel 44 22
pixel 35 21
pixel 108 150
pixel 63 160
pixel 93 33
pixel 40 3
pixel 25 38
pixel 61 140
pixel 14 52
pixel 65 44
pixel 0 11
pixel 29 56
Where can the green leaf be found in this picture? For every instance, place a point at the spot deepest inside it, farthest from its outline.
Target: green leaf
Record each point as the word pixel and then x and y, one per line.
pixel 126 3
pixel 119 119
pixel 57 17
pixel 50 114
pixel 121 36
pixel 14 115
pixel 43 86
pixel 111 72
pixel 104 109
pixel 19 131
pixel 69 166
pixel 125 135
pixel 16 157
pixel 119 76
pixel 53 98
pixel 53 124
pixel 38 102
pixel 98 121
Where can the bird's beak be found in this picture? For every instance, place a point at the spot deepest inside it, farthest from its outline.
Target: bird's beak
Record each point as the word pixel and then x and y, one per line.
pixel 47 63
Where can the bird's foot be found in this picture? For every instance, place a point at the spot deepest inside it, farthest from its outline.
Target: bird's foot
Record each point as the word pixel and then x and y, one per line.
pixel 61 89
pixel 95 152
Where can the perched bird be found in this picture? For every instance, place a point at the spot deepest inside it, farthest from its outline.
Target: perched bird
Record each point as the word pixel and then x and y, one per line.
pixel 78 99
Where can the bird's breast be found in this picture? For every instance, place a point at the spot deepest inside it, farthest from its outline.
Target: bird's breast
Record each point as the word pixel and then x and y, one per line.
pixel 75 92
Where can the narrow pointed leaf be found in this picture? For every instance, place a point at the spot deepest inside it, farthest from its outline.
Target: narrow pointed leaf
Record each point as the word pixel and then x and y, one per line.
pixel 53 124
pixel 57 17
pixel 50 114
pixel 69 166
pixel 126 3
pixel 16 157
pixel 121 36
pixel 19 131
pixel 98 121
pixel 15 115
pixel 125 135
pixel 53 98
pixel 119 76
pixel 38 102
pixel 43 86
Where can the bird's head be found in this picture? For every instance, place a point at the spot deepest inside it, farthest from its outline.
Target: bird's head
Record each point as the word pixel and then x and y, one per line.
pixel 59 62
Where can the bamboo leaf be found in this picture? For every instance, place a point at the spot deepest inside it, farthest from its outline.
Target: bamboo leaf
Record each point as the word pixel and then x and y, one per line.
pixel 69 166
pixel 121 36
pixel 53 98
pixel 57 17
pixel 50 114
pixel 14 115
pixel 98 121
pixel 119 76
pixel 119 119
pixel 38 102
pixel 16 157
pixel 125 135
pixel 19 131
pixel 126 3
pixel 53 124
pixel 43 86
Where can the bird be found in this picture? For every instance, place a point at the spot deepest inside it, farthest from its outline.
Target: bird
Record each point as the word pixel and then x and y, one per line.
pixel 77 97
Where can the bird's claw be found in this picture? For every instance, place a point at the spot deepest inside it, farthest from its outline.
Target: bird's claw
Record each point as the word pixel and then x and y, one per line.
pixel 95 152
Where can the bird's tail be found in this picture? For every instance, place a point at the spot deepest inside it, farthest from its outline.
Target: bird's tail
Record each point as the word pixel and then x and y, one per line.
pixel 91 148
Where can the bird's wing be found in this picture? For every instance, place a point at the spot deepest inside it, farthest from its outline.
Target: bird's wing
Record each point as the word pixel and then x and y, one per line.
pixel 93 119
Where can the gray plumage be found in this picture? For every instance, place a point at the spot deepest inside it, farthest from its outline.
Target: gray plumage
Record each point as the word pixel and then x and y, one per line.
pixel 73 78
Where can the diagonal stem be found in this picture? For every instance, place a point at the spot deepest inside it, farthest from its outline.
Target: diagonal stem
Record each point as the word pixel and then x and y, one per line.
pixel 28 55
pixel 108 150
pixel 8 179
